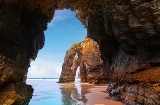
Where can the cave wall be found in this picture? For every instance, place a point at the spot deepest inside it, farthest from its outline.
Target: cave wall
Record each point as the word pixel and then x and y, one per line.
pixel 21 36
pixel 127 32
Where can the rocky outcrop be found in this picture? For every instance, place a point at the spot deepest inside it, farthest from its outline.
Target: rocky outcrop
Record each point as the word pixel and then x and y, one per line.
pixel 129 38
pixel 135 94
pixel 13 90
pixel 16 94
pixel 92 64
pixel 67 74
pixel 88 59
pixel 127 32
pixel 21 37
pixel 128 35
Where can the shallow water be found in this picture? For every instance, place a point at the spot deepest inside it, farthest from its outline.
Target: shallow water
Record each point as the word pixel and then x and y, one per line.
pixel 48 92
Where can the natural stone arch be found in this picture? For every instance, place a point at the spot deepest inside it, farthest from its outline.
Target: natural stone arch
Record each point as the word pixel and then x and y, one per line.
pixel 89 60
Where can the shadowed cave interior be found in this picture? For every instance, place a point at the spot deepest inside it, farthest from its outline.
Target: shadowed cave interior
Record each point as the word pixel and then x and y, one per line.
pixel 125 31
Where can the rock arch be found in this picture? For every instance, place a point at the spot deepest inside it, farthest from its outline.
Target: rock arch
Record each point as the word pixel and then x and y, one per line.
pixel 89 60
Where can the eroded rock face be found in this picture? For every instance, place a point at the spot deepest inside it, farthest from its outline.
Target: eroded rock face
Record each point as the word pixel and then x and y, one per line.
pixel 20 39
pixel 88 59
pixel 16 94
pixel 67 74
pixel 135 94
pixel 127 32
pixel 90 56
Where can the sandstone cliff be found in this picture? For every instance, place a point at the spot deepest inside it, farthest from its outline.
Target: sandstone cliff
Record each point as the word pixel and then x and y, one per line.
pixel 88 60
pixel 127 32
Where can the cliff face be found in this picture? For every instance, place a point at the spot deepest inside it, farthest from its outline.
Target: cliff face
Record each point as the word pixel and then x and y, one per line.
pixel 67 74
pixel 127 32
pixel 134 70
pixel 88 60
pixel 20 39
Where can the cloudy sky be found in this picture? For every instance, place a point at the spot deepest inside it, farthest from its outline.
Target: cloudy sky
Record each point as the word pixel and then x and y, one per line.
pixel 64 30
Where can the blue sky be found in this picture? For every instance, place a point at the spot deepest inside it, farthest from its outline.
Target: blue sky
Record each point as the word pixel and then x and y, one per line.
pixel 64 30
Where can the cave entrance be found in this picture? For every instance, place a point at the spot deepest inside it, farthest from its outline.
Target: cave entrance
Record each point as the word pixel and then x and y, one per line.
pixel 64 30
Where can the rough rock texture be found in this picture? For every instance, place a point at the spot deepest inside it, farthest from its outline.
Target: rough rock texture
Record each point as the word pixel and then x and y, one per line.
pixel 128 34
pixel 67 74
pixel 20 39
pixel 16 94
pixel 88 59
pixel 127 31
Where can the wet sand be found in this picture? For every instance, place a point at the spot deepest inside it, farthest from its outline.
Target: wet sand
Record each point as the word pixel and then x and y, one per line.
pixel 49 92
pixel 98 96
pixel 89 94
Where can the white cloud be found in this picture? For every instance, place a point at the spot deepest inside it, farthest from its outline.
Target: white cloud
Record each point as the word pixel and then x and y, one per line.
pixel 60 15
pixel 44 68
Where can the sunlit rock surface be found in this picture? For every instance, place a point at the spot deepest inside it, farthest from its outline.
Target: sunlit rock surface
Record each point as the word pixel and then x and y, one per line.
pixel 127 32
pixel 89 61
pixel 16 94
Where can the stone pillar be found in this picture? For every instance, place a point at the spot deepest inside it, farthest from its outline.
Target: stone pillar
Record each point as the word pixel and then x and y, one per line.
pixel 83 75
pixel 67 74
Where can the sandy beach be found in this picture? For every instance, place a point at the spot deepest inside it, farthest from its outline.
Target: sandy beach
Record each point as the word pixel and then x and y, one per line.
pixel 98 96
pixel 53 93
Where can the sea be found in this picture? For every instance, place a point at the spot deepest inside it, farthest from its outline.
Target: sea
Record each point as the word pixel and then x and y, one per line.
pixel 49 92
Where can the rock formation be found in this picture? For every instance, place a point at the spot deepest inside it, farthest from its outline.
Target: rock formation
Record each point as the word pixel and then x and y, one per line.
pixel 127 31
pixel 88 59
pixel 16 94
pixel 129 37
pixel 20 39
pixel 67 74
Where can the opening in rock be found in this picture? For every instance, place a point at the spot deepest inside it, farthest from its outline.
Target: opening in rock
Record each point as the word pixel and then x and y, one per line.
pixel 63 31
pixel 77 77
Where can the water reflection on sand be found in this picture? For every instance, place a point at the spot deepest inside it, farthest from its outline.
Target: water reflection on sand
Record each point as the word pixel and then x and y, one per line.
pixel 48 92
pixel 85 94
pixel 74 93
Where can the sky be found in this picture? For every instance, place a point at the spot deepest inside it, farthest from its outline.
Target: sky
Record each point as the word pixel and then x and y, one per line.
pixel 64 30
